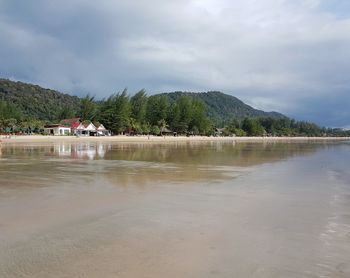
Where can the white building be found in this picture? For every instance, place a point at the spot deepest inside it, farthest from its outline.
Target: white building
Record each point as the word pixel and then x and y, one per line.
pixel 101 130
pixel 57 129
pixel 75 127
pixel 86 129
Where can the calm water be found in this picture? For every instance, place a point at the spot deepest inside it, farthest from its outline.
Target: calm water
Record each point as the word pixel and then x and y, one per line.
pixel 175 210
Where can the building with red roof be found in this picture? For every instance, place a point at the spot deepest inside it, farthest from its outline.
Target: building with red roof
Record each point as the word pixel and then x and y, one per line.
pixel 75 127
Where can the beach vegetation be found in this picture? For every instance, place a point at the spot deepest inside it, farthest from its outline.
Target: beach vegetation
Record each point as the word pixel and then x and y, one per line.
pixel 26 108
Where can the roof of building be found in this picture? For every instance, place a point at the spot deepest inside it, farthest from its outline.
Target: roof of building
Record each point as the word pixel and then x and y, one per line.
pixel 164 129
pixel 55 125
pixel 87 123
pixel 73 123
pixel 99 126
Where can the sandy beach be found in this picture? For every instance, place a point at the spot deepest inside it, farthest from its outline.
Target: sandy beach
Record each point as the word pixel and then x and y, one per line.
pixel 186 209
pixel 22 139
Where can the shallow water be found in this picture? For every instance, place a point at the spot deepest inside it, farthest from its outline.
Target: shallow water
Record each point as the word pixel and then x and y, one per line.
pixel 175 210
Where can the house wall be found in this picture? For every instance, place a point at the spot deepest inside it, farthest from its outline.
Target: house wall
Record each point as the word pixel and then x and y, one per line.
pixel 64 131
pixel 82 132
pixel 90 130
pixel 57 130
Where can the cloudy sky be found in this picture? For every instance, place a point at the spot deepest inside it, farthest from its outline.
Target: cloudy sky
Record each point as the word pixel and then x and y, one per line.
pixel 291 56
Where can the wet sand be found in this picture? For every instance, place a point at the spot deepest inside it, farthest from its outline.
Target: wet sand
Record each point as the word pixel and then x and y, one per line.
pixel 158 139
pixel 211 209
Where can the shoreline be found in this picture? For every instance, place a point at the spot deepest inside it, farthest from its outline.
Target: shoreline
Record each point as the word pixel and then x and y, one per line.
pixel 24 139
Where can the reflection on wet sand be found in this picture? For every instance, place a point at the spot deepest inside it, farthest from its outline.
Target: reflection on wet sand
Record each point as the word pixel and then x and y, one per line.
pixel 244 153
pixel 140 164
pixel 175 210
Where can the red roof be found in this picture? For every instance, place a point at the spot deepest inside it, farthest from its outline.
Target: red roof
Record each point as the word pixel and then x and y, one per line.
pixel 73 123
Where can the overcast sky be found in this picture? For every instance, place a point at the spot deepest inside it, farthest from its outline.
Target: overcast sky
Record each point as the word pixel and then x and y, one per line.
pixel 291 56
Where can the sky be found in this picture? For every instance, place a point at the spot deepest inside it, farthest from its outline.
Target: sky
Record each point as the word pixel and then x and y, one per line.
pixel 290 56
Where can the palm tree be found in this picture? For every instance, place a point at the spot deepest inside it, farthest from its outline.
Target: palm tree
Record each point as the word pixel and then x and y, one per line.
pixel 87 108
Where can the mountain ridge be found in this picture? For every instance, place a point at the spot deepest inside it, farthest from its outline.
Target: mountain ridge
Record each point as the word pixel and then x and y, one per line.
pixel 35 101
pixel 223 107
pixel 46 104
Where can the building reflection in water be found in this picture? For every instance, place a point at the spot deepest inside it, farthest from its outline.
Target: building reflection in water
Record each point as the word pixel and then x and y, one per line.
pixel 82 150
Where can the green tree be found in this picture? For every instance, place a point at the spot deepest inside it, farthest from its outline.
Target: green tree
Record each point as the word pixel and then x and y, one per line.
pixel 174 116
pixel 199 123
pixel 87 108
pixel 155 130
pixel 182 112
pixel 157 109
pixel 139 106
pixel 10 125
pixel 9 110
pixel 185 106
pixel 239 132
pixel 146 128
pixel 115 112
pixel 252 127
pixel 65 113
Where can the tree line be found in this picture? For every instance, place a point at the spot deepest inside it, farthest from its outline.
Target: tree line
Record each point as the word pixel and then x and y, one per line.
pixel 143 114
pixel 268 126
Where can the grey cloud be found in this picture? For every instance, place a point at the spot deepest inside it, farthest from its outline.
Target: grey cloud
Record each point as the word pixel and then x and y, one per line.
pixel 290 56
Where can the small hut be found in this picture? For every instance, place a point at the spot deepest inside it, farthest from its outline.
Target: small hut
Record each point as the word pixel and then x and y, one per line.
pixel 166 131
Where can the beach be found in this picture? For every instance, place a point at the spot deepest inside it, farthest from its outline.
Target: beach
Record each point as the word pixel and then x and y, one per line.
pixel 24 139
pixel 94 208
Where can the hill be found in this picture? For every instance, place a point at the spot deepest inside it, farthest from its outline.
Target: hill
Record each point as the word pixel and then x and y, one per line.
pixel 222 108
pixel 26 107
pixel 36 102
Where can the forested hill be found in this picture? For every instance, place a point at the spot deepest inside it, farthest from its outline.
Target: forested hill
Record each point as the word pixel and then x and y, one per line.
pixel 222 108
pixel 36 102
pixel 27 108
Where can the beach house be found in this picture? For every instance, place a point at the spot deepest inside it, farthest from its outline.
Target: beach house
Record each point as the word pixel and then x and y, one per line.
pixel 86 128
pixel 72 123
pixel 101 130
pixel 75 127
pixel 57 129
